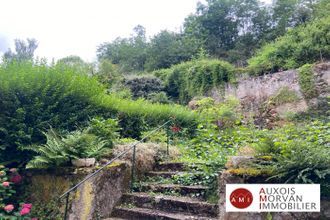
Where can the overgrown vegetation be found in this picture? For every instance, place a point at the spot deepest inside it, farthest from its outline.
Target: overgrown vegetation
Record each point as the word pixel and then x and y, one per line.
pixel 197 77
pixel 35 97
pixel 304 44
pixel 300 153
pixel 307 81
pixel 284 95
pixel 91 142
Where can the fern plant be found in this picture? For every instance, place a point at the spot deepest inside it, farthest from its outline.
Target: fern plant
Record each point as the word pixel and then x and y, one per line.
pixel 59 151
pixel 52 154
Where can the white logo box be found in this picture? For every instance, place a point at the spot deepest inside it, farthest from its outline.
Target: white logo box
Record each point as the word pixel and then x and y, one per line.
pixel 279 197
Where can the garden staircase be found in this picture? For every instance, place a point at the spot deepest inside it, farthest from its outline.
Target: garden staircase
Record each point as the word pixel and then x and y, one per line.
pixel 156 200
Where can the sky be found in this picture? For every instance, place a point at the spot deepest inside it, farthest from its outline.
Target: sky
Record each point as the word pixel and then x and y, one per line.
pixel 77 27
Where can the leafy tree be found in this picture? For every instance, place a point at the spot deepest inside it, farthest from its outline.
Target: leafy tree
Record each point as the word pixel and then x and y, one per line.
pixel 78 64
pixel 24 50
pixel 166 49
pixel 229 29
pixel 128 53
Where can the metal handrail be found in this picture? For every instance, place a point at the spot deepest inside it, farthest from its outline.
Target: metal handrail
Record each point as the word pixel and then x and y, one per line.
pixel 67 193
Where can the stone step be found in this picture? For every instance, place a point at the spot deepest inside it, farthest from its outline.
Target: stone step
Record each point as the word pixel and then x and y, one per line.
pixel 169 174
pixel 114 219
pixel 150 214
pixel 175 166
pixel 171 166
pixel 171 203
pixel 164 174
pixel 176 188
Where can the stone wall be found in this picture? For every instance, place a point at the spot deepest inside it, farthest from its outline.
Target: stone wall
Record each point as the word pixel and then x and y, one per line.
pixel 253 91
pixel 228 178
pixel 94 199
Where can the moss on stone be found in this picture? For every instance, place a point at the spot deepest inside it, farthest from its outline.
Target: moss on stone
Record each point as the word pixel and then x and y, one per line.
pixel 253 172
pixel 87 192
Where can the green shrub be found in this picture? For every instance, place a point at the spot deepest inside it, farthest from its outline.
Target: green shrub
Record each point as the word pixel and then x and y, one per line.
pixel 304 44
pixel 306 81
pixel 284 95
pixel 142 86
pixel 106 130
pixel 160 97
pixel 142 113
pixel 197 77
pixel 300 153
pixel 223 114
pixel 35 97
pixel 59 150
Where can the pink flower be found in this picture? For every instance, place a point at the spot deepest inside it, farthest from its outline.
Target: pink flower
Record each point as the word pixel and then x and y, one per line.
pixel 27 205
pixel 24 211
pixel 34 218
pixel 16 178
pixel 5 184
pixel 9 208
pixel 13 170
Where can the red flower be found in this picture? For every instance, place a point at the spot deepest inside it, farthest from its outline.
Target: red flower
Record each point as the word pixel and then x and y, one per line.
pixel 9 208
pixel 5 184
pixel 175 129
pixel 24 211
pixel 16 178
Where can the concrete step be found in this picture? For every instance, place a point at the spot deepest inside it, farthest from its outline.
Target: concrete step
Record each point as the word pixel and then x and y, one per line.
pixel 175 188
pixel 171 203
pixel 149 214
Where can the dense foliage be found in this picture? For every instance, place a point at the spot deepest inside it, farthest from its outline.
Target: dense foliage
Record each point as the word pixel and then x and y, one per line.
pixel 91 142
pixel 35 97
pixel 307 81
pixel 143 86
pixel 304 44
pixel 300 153
pixel 197 77
pixel 228 29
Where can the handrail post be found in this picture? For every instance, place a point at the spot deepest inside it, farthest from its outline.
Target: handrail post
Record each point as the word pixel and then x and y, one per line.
pixel 66 206
pixel 167 140
pixel 133 168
